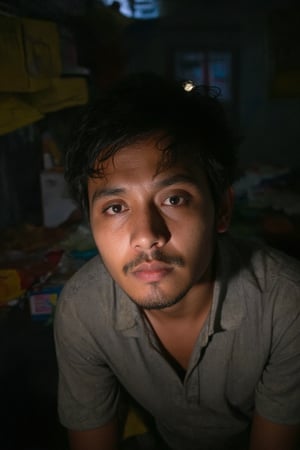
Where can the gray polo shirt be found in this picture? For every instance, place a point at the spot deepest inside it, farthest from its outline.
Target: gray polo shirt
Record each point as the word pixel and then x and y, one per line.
pixel 247 355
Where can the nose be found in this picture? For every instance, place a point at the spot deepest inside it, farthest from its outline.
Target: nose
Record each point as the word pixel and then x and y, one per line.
pixel 149 229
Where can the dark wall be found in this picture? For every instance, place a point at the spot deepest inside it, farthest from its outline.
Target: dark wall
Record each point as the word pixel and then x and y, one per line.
pixel 20 166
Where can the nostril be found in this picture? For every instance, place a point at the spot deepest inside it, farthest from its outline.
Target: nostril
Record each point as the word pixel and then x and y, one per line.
pixel 150 233
pixel 148 244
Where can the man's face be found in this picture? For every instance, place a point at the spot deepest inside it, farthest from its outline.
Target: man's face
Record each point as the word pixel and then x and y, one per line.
pixel 155 230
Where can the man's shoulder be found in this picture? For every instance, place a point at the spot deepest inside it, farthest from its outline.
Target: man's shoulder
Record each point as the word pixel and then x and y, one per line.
pixel 91 280
pixel 259 259
pixel 259 284
pixel 261 268
pixel 92 299
pixel 268 263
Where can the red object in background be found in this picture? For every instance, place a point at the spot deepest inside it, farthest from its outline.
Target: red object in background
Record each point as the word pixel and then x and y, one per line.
pixel 54 256
pixel 32 270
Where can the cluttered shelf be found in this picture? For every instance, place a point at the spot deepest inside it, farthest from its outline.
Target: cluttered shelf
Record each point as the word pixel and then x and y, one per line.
pixel 37 261
pixel 267 207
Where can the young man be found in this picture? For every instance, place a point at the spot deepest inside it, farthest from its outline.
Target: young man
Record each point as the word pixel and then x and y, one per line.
pixel 200 329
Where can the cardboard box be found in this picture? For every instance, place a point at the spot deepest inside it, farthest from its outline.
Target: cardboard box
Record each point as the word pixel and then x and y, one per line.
pixel 57 204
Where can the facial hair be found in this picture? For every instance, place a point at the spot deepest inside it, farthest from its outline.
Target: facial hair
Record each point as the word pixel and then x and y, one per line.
pixel 156 298
pixel 156 255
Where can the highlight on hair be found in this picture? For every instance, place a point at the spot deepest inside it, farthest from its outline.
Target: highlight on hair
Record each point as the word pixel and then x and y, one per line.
pixel 143 105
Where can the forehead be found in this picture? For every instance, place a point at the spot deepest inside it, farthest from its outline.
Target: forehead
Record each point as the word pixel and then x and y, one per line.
pixel 140 169
pixel 156 153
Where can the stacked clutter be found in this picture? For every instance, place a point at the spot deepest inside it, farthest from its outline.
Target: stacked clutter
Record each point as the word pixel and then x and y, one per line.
pixel 32 81
pixel 34 276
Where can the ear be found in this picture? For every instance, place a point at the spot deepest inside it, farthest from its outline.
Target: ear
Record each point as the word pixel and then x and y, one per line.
pixel 225 211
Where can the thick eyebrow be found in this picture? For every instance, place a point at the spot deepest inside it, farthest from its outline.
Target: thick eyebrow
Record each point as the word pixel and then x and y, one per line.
pixel 106 192
pixel 165 182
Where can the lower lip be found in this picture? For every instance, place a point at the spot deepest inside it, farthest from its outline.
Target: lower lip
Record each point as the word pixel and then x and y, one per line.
pixel 151 276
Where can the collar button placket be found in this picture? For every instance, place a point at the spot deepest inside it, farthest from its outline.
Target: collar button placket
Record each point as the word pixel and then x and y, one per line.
pixel 192 385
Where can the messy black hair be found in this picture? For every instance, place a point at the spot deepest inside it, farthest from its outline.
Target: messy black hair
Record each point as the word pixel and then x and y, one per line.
pixel 143 105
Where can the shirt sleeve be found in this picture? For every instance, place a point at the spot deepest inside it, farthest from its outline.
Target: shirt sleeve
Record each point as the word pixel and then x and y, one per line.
pixel 278 391
pixel 88 392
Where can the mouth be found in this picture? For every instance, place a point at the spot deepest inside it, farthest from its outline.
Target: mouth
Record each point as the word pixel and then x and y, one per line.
pixel 152 272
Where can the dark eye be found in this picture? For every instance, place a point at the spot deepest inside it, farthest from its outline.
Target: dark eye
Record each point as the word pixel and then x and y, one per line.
pixel 174 200
pixel 114 209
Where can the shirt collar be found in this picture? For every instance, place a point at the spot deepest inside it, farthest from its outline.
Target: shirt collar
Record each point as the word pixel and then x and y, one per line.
pixel 228 308
pixel 126 314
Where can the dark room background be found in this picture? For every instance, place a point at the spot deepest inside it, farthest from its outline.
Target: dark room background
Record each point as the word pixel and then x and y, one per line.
pixel 259 38
pixel 55 56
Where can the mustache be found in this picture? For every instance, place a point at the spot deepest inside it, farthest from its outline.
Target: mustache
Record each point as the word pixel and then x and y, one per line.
pixel 157 255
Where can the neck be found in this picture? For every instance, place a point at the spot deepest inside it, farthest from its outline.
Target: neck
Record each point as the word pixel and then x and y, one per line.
pixel 177 328
pixel 194 306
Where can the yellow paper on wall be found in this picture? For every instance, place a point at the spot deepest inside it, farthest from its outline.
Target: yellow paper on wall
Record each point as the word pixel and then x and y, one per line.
pixel 29 54
pixel 15 113
pixel 13 72
pixel 42 49
pixel 63 93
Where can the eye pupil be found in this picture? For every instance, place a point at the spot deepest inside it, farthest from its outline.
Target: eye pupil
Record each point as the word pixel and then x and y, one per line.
pixel 174 200
pixel 116 208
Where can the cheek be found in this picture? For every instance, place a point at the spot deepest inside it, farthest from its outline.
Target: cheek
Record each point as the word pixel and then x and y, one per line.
pixel 199 226
pixel 197 236
pixel 111 245
pixel 193 238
